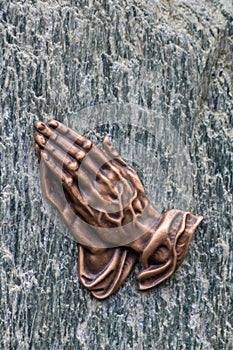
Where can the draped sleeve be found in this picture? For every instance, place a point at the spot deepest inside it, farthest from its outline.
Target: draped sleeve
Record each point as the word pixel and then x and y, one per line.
pixel 102 271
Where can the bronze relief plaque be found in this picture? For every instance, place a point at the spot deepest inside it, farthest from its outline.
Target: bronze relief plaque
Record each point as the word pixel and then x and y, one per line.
pixel 103 203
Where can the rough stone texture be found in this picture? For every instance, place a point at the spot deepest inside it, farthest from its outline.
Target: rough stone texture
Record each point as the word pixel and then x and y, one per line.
pixel 171 57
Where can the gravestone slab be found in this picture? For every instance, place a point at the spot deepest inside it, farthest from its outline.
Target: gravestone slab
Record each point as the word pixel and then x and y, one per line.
pixel 118 67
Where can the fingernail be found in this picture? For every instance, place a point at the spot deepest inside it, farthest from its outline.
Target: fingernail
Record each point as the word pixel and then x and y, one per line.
pixel 53 123
pixel 39 126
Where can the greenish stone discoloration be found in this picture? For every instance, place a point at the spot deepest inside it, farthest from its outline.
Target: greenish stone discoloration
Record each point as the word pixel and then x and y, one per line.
pixel 172 57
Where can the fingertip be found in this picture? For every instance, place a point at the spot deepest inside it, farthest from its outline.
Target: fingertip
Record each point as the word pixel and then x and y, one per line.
pixel 39 139
pixel 39 126
pixel 68 181
pixel 87 144
pixel 106 139
pixel 53 123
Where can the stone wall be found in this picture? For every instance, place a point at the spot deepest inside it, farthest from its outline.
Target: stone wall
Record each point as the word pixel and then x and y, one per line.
pixel 171 58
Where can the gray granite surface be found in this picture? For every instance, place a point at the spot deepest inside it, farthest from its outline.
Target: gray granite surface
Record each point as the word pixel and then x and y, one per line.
pixel 62 59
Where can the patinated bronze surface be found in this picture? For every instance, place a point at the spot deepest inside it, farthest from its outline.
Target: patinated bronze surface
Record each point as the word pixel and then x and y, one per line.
pixel 102 201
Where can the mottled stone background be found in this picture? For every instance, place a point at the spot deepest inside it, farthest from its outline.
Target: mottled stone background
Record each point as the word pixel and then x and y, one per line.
pixel 171 57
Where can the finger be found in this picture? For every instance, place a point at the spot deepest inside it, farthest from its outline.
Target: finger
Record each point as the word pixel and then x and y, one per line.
pixel 98 165
pixel 89 169
pixel 79 204
pixel 77 201
pixel 76 198
pixel 65 139
pixel 40 140
pixel 68 146
pixel 56 169
pixel 82 232
pixel 70 134
pixel 96 157
pixel 111 151
pixel 56 197
pixel 92 177
pixel 43 129
pixel 64 159
pixel 89 190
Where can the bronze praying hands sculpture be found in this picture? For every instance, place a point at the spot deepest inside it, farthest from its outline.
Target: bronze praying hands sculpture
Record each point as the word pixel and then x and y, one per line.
pixel 102 201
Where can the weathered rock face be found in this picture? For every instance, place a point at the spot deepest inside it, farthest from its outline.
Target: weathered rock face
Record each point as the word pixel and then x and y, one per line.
pixel 174 60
